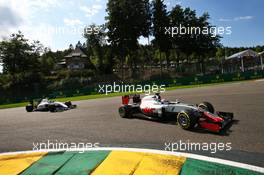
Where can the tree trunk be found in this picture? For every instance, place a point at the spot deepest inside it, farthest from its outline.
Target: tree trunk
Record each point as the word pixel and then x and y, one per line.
pixel 160 64
pixel 167 60
pixel 177 62
pixel 122 68
pixel 151 69
pixel 202 65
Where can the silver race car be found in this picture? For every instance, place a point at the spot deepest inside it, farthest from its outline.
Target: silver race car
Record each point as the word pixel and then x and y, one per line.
pixel 46 105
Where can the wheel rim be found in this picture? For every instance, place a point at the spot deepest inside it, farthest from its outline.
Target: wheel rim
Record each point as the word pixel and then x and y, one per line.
pixel 183 120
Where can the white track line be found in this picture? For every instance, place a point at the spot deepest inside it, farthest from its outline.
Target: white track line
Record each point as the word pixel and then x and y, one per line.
pixel 188 155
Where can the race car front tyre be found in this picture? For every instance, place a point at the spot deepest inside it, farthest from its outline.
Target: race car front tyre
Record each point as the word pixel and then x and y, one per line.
pixel 68 103
pixel 186 121
pixel 52 108
pixel 207 106
pixel 125 111
pixel 29 108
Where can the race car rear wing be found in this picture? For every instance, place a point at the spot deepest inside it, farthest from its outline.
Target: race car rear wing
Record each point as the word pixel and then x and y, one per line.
pixel 126 98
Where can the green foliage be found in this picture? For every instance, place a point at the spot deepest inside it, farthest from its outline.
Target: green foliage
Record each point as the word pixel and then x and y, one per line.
pixel 47 63
pixel 18 55
pixel 127 20
pixel 160 21
pixel 29 69
pixel 96 41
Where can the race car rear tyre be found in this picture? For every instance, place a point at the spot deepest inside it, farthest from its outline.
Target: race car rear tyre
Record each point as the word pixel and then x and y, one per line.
pixel 186 121
pixel 207 106
pixel 125 111
pixel 29 108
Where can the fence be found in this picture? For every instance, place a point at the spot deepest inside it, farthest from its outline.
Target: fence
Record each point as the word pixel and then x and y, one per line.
pixel 7 97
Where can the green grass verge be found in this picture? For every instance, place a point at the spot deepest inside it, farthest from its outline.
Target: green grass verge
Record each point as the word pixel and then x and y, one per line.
pixel 89 97
pixel 14 105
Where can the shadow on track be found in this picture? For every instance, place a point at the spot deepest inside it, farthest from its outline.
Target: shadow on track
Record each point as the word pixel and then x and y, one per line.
pixel 226 131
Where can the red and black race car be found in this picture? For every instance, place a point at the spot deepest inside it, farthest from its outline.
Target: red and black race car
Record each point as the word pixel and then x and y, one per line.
pixel 188 116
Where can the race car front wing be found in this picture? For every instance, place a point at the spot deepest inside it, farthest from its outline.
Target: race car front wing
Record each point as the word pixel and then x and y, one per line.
pixel 215 122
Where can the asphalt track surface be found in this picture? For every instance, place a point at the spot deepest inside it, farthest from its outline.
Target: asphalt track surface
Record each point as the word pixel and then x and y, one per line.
pixel 97 121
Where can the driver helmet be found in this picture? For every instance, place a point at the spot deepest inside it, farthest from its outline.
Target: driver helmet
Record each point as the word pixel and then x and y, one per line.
pixel 157 96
